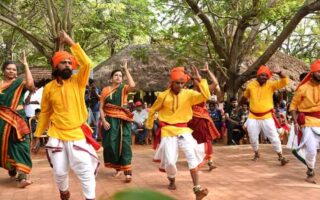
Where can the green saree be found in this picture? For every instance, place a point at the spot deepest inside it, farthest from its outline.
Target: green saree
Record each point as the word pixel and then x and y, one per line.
pixel 116 141
pixel 14 132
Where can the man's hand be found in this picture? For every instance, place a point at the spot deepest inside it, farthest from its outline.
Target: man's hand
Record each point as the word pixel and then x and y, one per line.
pixel 36 146
pixel 195 73
pixel 65 38
pixel 276 70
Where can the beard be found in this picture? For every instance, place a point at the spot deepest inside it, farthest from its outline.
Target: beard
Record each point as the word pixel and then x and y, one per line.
pixel 65 73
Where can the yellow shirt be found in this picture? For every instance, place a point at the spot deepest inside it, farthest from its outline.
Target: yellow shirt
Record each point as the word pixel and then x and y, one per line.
pixel 63 106
pixel 307 99
pixel 261 97
pixel 174 109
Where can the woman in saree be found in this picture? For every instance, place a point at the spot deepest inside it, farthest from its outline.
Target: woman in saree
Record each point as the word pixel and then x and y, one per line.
pixel 204 130
pixel 14 132
pixel 116 123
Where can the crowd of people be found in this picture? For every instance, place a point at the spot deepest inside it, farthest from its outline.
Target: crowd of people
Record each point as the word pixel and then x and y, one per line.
pixel 69 115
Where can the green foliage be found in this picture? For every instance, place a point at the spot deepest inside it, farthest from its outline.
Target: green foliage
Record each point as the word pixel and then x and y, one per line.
pixel 100 26
pixel 138 194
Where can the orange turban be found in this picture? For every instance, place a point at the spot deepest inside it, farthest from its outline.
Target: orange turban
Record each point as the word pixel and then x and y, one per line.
pixel 177 73
pixel 62 55
pixel 315 67
pixel 264 70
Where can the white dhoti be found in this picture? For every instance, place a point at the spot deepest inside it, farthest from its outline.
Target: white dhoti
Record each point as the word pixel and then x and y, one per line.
pixel 77 155
pixel 268 127
pixel 307 149
pixel 168 152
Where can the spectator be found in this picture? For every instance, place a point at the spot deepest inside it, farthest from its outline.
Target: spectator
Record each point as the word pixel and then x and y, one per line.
pixel 32 99
pixel 233 122
pixel 93 106
pixel 138 125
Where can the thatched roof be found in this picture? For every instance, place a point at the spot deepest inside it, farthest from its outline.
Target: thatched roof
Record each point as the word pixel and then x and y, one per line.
pixel 150 65
pixel 147 65
pixel 39 73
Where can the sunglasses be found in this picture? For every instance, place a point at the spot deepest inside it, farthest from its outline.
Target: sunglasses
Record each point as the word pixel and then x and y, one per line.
pixel 66 62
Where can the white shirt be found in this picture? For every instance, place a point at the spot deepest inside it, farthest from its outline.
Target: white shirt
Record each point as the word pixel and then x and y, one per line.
pixel 30 108
pixel 140 117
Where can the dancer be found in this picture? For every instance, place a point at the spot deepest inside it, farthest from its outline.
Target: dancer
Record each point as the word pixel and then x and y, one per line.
pixel 261 116
pixel 63 110
pixel 14 131
pixel 174 107
pixel 305 111
pixel 204 130
pixel 116 121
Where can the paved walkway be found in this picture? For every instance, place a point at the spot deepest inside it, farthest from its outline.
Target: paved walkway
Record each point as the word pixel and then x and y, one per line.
pixel 235 178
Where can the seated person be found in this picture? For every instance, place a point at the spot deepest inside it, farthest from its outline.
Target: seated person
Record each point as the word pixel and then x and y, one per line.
pixel 233 122
pixel 139 117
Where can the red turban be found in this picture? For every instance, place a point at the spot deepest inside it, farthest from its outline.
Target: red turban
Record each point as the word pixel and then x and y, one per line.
pixel 264 70
pixel 315 67
pixel 177 73
pixel 62 55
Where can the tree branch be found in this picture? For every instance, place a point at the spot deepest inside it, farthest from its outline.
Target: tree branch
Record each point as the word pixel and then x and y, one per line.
pixel 39 44
pixel 204 18
pixel 288 29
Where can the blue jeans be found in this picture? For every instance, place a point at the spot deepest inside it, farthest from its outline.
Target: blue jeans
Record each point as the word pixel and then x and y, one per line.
pixel 140 135
pixel 94 118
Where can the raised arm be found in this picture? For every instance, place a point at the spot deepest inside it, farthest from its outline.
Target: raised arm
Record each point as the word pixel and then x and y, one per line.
pixel 204 94
pixel 214 86
pixel 28 75
pixel 284 80
pixel 131 82
pixel 81 58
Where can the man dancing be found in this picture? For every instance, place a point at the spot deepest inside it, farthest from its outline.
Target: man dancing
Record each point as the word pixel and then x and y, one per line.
pixel 261 118
pixel 174 107
pixel 306 101
pixel 63 108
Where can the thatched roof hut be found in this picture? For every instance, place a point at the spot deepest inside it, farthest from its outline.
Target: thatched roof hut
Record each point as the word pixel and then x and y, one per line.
pixel 150 65
pixel 38 73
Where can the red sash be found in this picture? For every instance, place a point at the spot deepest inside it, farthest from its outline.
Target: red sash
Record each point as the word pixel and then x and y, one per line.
pixel 158 132
pixel 88 134
pixel 275 119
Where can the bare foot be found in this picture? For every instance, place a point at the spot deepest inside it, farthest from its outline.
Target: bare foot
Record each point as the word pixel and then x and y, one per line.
pixel 283 161
pixel 24 183
pixel 128 178
pixel 311 179
pixel 117 174
pixel 201 193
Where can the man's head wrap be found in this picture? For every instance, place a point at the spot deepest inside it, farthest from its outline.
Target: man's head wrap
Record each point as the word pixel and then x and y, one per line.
pixel 264 70
pixel 177 73
pixel 315 67
pixel 62 55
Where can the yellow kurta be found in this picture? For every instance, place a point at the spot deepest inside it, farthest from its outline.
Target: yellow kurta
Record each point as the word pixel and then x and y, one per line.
pixel 63 106
pixel 307 99
pixel 261 97
pixel 174 109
